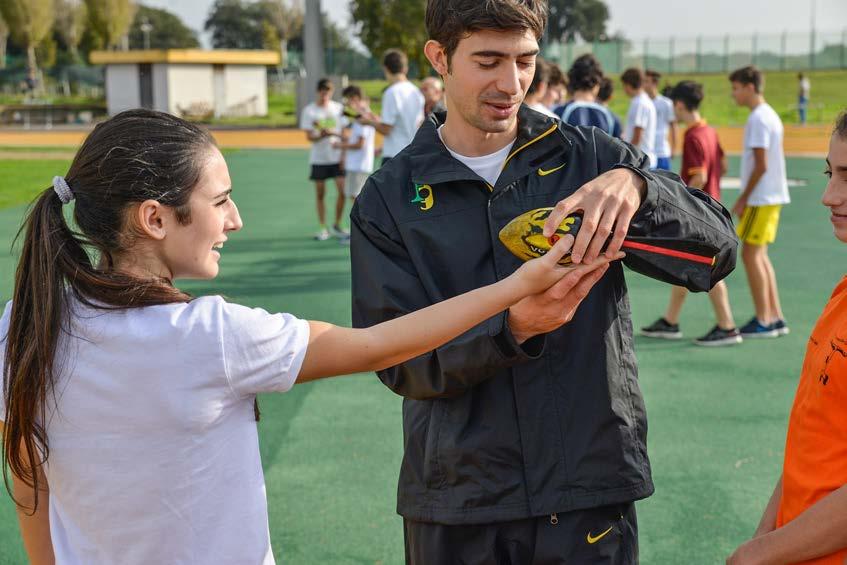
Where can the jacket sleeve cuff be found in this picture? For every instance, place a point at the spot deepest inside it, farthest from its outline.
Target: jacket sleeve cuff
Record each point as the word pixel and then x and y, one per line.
pixel 508 346
pixel 651 195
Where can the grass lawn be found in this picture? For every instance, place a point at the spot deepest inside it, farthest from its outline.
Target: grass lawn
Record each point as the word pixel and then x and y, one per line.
pixel 331 450
pixel 827 99
pixel 21 180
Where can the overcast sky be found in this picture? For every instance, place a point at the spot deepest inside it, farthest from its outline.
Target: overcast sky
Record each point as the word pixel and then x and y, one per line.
pixel 644 18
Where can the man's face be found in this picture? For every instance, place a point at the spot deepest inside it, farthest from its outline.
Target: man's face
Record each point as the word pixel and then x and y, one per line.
pixel 835 195
pixel 630 91
pixel 431 92
pixel 354 102
pixel 650 85
pixel 555 95
pixel 324 95
pixel 488 77
pixel 742 93
pixel 679 110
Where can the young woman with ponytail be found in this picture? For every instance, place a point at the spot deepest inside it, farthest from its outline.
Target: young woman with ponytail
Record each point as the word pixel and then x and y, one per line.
pixel 127 411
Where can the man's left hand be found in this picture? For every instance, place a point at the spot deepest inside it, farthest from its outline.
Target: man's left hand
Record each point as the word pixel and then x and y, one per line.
pixel 739 206
pixel 608 204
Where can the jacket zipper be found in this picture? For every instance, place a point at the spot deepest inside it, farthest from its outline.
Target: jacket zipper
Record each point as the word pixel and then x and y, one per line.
pixel 554 518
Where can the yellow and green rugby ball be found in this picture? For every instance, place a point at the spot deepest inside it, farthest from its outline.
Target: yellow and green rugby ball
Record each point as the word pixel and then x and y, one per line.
pixel 524 235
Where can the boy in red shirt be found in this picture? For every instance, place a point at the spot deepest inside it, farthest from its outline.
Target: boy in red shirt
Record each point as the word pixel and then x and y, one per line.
pixel 703 164
pixel 806 518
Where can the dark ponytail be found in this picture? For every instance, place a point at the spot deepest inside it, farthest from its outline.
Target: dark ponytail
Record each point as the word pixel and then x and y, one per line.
pixel 135 156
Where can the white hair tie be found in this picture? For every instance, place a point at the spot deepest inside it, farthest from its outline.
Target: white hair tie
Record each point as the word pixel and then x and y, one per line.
pixel 62 190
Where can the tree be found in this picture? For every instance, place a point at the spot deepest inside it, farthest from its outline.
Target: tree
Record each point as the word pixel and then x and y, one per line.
pixel 4 36
pixel 386 24
pixel 284 22
pixel 569 18
pixel 71 17
pixel 110 19
pixel 168 31
pixel 29 22
pixel 236 24
pixel 240 24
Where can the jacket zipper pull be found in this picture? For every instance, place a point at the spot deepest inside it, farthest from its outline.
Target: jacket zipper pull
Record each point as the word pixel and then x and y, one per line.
pixel 554 518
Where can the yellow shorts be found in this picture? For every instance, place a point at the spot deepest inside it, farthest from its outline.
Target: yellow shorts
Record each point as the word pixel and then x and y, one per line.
pixel 758 224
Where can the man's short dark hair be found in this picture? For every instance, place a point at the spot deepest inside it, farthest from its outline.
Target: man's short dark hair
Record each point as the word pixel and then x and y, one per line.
pixel 689 93
pixel 585 73
pixel 841 126
pixel 352 91
pixel 542 75
pixel 395 62
pixel 324 84
pixel 633 77
pixel 450 21
pixel 607 88
pixel 748 75
pixel 653 74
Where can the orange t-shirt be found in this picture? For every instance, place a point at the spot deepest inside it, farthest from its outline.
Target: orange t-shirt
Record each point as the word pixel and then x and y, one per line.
pixel 816 447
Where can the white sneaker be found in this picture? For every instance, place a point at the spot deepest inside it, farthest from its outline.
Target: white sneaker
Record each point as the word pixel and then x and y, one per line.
pixel 322 235
pixel 339 232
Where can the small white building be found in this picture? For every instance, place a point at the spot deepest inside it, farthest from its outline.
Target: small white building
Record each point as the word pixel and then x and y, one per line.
pixel 188 82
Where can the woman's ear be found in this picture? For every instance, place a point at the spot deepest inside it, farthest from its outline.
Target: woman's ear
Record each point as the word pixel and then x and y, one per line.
pixel 151 219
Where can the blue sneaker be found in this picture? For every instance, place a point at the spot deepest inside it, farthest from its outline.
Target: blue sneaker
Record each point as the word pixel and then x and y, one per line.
pixel 781 327
pixel 756 329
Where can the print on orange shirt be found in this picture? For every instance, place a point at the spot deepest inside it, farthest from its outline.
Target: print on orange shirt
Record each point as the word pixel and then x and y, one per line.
pixel 816 447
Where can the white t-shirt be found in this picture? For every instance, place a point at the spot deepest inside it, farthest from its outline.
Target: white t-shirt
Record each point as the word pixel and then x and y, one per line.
pixel 403 108
pixel 764 130
pixel 360 160
pixel 805 87
pixel 331 117
pixel 642 113
pixel 154 454
pixel 664 117
pixel 487 166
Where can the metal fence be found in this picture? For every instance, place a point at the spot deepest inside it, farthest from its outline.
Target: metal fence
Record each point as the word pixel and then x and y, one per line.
pixel 771 52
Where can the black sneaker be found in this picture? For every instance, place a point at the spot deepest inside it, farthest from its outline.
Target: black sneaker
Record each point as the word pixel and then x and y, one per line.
pixel 781 327
pixel 662 329
pixel 718 337
pixel 756 329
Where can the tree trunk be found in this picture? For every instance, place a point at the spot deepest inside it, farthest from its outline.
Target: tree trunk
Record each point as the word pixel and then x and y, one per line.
pixel 31 66
pixel 3 38
pixel 283 53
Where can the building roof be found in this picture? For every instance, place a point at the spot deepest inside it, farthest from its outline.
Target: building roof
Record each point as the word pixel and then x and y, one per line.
pixel 187 56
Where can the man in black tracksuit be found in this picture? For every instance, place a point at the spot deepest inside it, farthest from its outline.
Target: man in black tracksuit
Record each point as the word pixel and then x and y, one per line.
pixel 523 442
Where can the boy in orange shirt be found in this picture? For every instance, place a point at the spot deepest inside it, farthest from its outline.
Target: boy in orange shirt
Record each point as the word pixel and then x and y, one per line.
pixel 806 518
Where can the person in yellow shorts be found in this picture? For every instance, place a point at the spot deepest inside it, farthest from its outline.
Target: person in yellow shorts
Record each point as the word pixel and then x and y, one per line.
pixel 764 192
pixel 806 518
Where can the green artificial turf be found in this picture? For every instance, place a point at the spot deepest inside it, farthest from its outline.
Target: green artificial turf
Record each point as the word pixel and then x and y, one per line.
pixel 332 449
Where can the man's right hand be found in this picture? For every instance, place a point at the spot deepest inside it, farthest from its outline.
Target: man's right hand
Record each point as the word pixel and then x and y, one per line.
pixel 544 312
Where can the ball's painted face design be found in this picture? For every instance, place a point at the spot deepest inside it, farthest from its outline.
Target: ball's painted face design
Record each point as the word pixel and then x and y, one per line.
pixel 524 236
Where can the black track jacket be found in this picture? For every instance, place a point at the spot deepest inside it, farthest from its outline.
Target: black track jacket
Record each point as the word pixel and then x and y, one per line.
pixel 494 430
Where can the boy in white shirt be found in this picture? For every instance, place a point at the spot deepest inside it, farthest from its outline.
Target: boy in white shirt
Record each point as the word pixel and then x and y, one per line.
pixel 402 106
pixel 358 146
pixel 640 129
pixel 665 120
pixel 764 191
pixel 322 121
